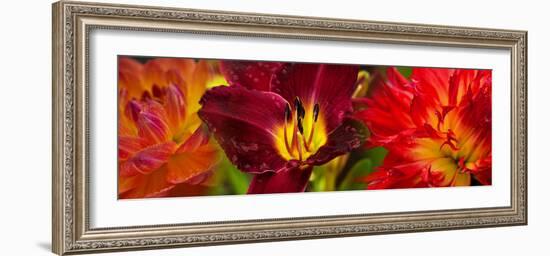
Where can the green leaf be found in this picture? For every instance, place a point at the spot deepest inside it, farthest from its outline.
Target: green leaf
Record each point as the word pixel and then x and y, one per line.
pixel 376 155
pixel 405 71
pixel 362 168
pixel 317 180
pixel 238 180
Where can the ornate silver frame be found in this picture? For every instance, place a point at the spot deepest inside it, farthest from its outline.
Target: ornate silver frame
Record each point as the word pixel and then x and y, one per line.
pixel 72 22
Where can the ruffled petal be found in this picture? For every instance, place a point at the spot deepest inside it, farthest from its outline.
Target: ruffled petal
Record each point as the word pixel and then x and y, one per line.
pixel 175 108
pixel 186 165
pixel 147 160
pixel 153 123
pixel 433 82
pixel 165 71
pixel 243 122
pixel 331 86
pixel 151 185
pixel 129 145
pixel 130 77
pixel 250 74
pixel 387 111
pixel 284 181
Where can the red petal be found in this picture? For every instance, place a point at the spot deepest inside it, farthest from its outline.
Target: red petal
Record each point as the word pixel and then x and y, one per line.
pixel 284 181
pixel 329 85
pixel 387 111
pixel 397 174
pixel 350 135
pixel 243 122
pixel 395 78
pixel 250 74
pixel 434 83
pixel 148 159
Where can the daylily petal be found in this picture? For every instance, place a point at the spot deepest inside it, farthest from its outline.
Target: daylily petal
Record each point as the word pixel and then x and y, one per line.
pixel 331 86
pixel 250 74
pixel 243 122
pixel 284 181
pixel 148 159
pixel 350 135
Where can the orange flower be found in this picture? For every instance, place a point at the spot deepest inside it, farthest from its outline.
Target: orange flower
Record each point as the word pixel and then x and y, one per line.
pixel 161 142
pixel 436 128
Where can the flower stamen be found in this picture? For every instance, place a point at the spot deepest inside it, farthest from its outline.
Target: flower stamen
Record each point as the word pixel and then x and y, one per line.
pixel 299 142
pixel 316 109
pixel 288 118
pixel 451 141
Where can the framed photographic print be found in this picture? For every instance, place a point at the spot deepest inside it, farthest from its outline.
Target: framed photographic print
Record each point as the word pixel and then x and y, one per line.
pixel 178 127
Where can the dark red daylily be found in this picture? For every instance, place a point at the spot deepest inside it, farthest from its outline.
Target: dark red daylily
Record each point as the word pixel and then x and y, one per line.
pixel 278 120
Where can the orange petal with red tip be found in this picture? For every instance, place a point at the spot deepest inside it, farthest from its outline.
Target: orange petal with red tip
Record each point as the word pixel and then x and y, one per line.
pixel 128 146
pixel 153 123
pixel 126 184
pixel 147 186
pixel 196 85
pixel 175 107
pixel 199 138
pixel 130 77
pixel 184 166
pixel 147 160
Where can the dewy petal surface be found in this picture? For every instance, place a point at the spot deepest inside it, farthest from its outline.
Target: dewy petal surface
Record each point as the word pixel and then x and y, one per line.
pixel 348 136
pixel 331 86
pixel 243 122
pixel 284 181
pixel 250 74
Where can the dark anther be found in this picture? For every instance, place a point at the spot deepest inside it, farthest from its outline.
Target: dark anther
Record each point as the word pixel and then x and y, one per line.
pixel 288 113
pixel 300 126
pixel 300 111
pixel 297 102
pixel 316 112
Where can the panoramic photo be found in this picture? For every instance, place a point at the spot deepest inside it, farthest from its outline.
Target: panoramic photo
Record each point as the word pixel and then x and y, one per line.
pixel 204 127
